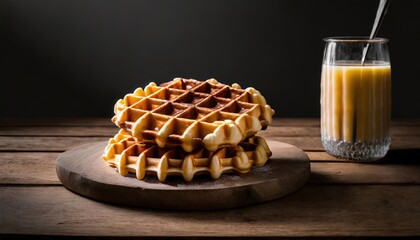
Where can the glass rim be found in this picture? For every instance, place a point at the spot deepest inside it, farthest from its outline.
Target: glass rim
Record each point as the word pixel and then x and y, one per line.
pixel 356 39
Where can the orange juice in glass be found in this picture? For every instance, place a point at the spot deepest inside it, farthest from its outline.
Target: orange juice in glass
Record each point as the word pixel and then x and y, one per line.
pixel 356 98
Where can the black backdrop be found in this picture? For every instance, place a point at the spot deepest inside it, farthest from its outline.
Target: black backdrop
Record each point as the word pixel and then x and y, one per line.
pixel 77 57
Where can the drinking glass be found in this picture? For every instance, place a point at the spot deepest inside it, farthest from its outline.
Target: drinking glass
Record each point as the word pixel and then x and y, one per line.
pixel 356 98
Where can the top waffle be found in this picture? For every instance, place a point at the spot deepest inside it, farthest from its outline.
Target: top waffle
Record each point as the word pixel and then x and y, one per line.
pixel 191 114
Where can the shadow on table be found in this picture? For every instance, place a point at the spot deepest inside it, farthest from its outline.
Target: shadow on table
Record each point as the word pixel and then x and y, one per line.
pixel 403 156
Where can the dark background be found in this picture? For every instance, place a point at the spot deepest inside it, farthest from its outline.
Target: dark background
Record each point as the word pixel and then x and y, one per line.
pixel 75 58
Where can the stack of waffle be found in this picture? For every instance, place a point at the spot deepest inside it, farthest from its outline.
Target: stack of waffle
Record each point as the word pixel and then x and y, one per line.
pixel 186 127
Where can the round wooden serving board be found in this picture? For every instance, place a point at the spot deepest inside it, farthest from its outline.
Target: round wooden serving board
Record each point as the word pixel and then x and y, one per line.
pixel 83 171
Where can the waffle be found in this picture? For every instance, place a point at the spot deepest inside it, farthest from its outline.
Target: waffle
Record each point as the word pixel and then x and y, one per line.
pixel 192 114
pixel 129 156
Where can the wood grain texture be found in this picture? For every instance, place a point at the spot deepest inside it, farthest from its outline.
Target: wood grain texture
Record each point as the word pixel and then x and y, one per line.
pixel 356 173
pixel 44 143
pixel 33 168
pixel 315 211
pixel 341 198
pixel 28 168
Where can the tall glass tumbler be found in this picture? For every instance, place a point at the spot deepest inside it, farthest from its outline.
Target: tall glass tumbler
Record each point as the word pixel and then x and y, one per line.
pixel 356 98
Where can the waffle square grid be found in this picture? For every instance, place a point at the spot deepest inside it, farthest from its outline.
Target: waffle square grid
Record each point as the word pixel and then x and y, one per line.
pixel 193 114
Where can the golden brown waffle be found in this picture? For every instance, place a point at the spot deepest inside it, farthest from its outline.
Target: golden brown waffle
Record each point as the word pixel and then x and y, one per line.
pixel 127 155
pixel 192 114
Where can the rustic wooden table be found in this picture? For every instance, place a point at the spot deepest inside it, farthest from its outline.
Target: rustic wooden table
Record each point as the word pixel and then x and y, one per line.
pixel 340 199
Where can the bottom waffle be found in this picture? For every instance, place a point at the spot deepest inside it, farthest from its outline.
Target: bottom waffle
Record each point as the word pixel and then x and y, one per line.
pixel 129 156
